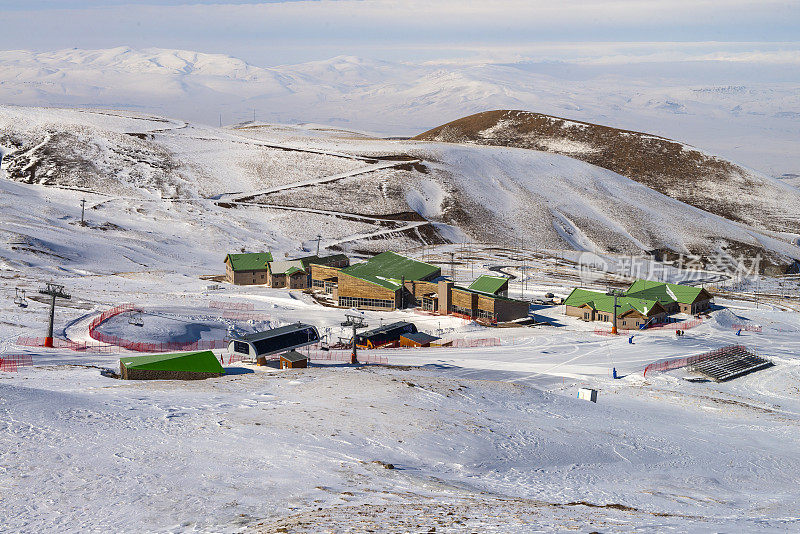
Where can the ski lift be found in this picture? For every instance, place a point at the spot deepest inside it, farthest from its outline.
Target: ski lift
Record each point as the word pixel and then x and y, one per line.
pixel 324 344
pixel 19 298
pixel 135 319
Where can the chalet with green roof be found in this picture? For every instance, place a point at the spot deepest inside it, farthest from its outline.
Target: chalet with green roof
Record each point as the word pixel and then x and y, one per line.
pixel 676 298
pixel 249 268
pixel 596 306
pixel 297 273
pixel 643 301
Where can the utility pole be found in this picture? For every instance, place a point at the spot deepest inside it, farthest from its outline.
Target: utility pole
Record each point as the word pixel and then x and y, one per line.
pixel 254 115
pixel 220 120
pixel 616 293
pixel 354 354
pixel 83 209
pixel 452 267
pixel 53 290
pixel 319 237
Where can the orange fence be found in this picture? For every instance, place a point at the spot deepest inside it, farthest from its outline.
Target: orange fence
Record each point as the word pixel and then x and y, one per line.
pixel 12 362
pixel 677 363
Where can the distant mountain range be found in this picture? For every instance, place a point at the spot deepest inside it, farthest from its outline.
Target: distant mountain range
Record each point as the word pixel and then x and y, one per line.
pixel 756 125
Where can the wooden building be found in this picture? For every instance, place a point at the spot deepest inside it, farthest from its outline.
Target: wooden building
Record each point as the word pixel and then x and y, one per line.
pixel 248 268
pixel 293 360
pixel 297 273
pixel 287 273
pixel 419 339
pixel 596 306
pixel 675 298
pixel 381 283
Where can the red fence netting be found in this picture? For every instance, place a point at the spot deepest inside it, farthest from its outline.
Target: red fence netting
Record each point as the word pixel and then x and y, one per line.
pixel 139 346
pixel 683 325
pixel 677 363
pixel 12 362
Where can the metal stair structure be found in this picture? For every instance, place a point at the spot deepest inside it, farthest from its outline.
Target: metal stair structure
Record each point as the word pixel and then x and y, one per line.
pixel 736 362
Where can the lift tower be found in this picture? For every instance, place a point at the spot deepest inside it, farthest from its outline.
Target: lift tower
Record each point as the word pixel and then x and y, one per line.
pixel 54 291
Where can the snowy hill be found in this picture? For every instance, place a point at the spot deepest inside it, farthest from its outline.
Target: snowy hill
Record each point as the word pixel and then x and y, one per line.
pixel 754 124
pixel 160 182
pixel 680 171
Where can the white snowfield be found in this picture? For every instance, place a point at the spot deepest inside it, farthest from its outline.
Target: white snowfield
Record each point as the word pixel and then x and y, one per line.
pixel 481 439
pixel 493 435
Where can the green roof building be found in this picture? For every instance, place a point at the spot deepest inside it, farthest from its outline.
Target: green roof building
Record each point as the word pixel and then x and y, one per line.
pixel 177 366
pixel 643 302
pixel 248 268
pixel 674 297
pixel 376 284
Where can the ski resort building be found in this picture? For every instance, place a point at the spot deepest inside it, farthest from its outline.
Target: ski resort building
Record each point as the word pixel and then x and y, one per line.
pixel 179 366
pixel 381 282
pixel 296 274
pixel 385 336
pixel 293 360
pixel 260 345
pixel 645 302
pixel 247 269
pixel 597 306
pixel 675 298
pixel 390 281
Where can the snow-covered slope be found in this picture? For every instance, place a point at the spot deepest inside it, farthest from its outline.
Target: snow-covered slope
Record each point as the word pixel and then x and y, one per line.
pixel 680 171
pixel 154 185
pixel 754 124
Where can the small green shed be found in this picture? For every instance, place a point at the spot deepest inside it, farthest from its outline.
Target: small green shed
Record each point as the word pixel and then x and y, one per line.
pixel 177 366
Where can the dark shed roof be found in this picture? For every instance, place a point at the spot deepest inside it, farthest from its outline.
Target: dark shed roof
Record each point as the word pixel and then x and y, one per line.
pixel 421 338
pixel 294 356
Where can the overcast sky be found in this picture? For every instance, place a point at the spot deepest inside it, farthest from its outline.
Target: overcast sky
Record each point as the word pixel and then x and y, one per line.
pixel 279 32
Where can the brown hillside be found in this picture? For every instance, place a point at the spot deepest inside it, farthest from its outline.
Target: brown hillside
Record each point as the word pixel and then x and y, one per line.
pixel 669 167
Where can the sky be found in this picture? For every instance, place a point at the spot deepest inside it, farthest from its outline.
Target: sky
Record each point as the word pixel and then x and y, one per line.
pixel 285 32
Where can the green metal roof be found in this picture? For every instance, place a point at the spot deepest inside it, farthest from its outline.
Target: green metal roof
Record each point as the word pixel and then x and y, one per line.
pixel 663 291
pixel 291 270
pixel 191 362
pixel 605 303
pixel 489 284
pixel 250 261
pixel 388 269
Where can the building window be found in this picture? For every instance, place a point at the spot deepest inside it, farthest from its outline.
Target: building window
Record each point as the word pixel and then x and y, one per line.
pixel 357 302
pixel 460 310
pixel 486 314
